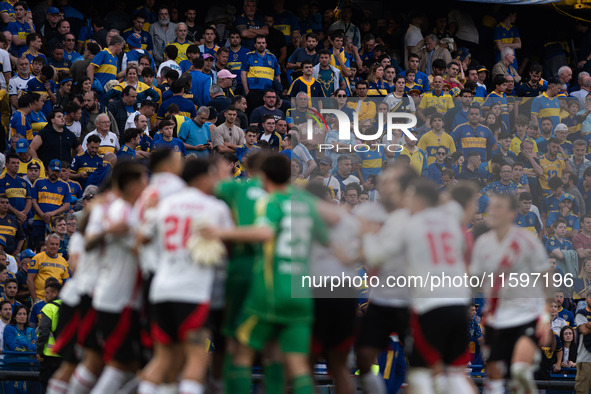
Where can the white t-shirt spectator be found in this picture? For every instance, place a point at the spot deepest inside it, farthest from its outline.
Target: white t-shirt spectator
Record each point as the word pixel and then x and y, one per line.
pixel 172 65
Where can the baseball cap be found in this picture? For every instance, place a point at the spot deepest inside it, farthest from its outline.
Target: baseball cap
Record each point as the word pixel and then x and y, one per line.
pixel 326 160
pixel 566 196
pixel 55 165
pixel 22 145
pixel 27 254
pixel 52 10
pixel 561 127
pixel 462 53
pixel 33 166
pixel 481 69
pixel 207 56
pixel 134 40
pixel 226 74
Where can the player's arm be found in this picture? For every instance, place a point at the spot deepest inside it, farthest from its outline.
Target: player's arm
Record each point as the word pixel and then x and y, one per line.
pixel 116 229
pixel 90 72
pixel 244 81
pixel 255 234
pixel 19 247
pixel 558 253
pixel 64 208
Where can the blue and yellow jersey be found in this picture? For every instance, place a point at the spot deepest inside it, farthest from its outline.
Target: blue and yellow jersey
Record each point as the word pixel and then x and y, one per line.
pixel 46 267
pixel 106 66
pixel 210 51
pixel 335 62
pixel 35 85
pixel 186 107
pixel 523 89
pixel 366 109
pixel 50 195
pixel 185 65
pixel 312 88
pixel 30 57
pixel 19 123
pixel 572 221
pixel 372 161
pixel 8 7
pixel 75 190
pixel 418 160
pixel 430 141
pixel 146 143
pixel 182 48
pixel 551 168
pixel 235 59
pixel 35 318
pixel 546 107
pixel 529 221
pixel 286 23
pixel 146 39
pixel 126 153
pixel 243 151
pixel 408 87
pixel 62 65
pixel 377 89
pixel 22 167
pixel 554 243
pixel 260 70
pixel 21 30
pixel 479 139
pixel 501 99
pixel 38 120
pixel 505 35
pixel 176 145
pixel 243 22
pixel 17 190
pixel 442 102
pixel 574 124
pixel 71 56
pixel 11 231
pixel 516 144
pixel 551 203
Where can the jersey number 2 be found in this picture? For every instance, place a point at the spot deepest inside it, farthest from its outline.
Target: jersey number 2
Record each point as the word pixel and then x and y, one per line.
pixel 176 232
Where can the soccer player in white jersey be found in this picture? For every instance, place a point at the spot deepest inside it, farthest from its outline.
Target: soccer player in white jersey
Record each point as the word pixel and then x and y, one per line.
pixel 181 289
pixel 516 318
pixel 387 311
pixel 87 272
pixel 433 243
pixel 165 167
pixel 117 295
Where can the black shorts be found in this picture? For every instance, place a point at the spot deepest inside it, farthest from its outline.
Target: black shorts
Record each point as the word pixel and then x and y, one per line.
pixel 171 321
pixel 334 324
pixel 68 323
pixel 214 323
pixel 501 342
pixel 440 335
pixel 379 323
pixel 119 335
pixel 88 319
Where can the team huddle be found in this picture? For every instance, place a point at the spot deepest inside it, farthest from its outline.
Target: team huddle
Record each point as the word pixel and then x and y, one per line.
pixel 184 280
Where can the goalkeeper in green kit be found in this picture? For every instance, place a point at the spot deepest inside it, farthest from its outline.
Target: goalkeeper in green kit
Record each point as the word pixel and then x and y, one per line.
pixel 276 307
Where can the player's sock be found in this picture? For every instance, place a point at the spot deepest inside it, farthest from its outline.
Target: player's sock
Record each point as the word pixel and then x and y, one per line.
pixel 146 387
pixel 240 381
pixel 457 382
pixel 303 384
pixel 228 372
pixel 82 381
pixel 373 383
pixel 522 375
pixel 168 388
pixel 215 386
pixel 55 386
pixel 494 387
pixel 111 380
pixel 420 381
pixel 274 378
pixel 191 387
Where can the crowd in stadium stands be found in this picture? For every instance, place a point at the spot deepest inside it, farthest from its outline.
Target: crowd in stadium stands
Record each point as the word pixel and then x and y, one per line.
pixel 79 94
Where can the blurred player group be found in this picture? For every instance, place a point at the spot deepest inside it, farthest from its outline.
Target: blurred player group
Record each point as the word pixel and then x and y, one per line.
pixel 155 305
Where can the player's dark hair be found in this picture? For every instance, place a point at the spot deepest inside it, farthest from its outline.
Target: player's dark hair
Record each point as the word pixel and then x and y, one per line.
pixel 426 190
pixel 558 221
pixel 130 134
pixel 171 52
pixel 554 183
pixel 93 138
pixel 158 157
pixel 10 280
pixel 194 169
pixel 277 168
pixel 463 192
pixel 126 173
pixel 15 312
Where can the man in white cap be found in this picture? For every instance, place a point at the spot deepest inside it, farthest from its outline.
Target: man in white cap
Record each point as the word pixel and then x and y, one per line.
pixel 561 132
